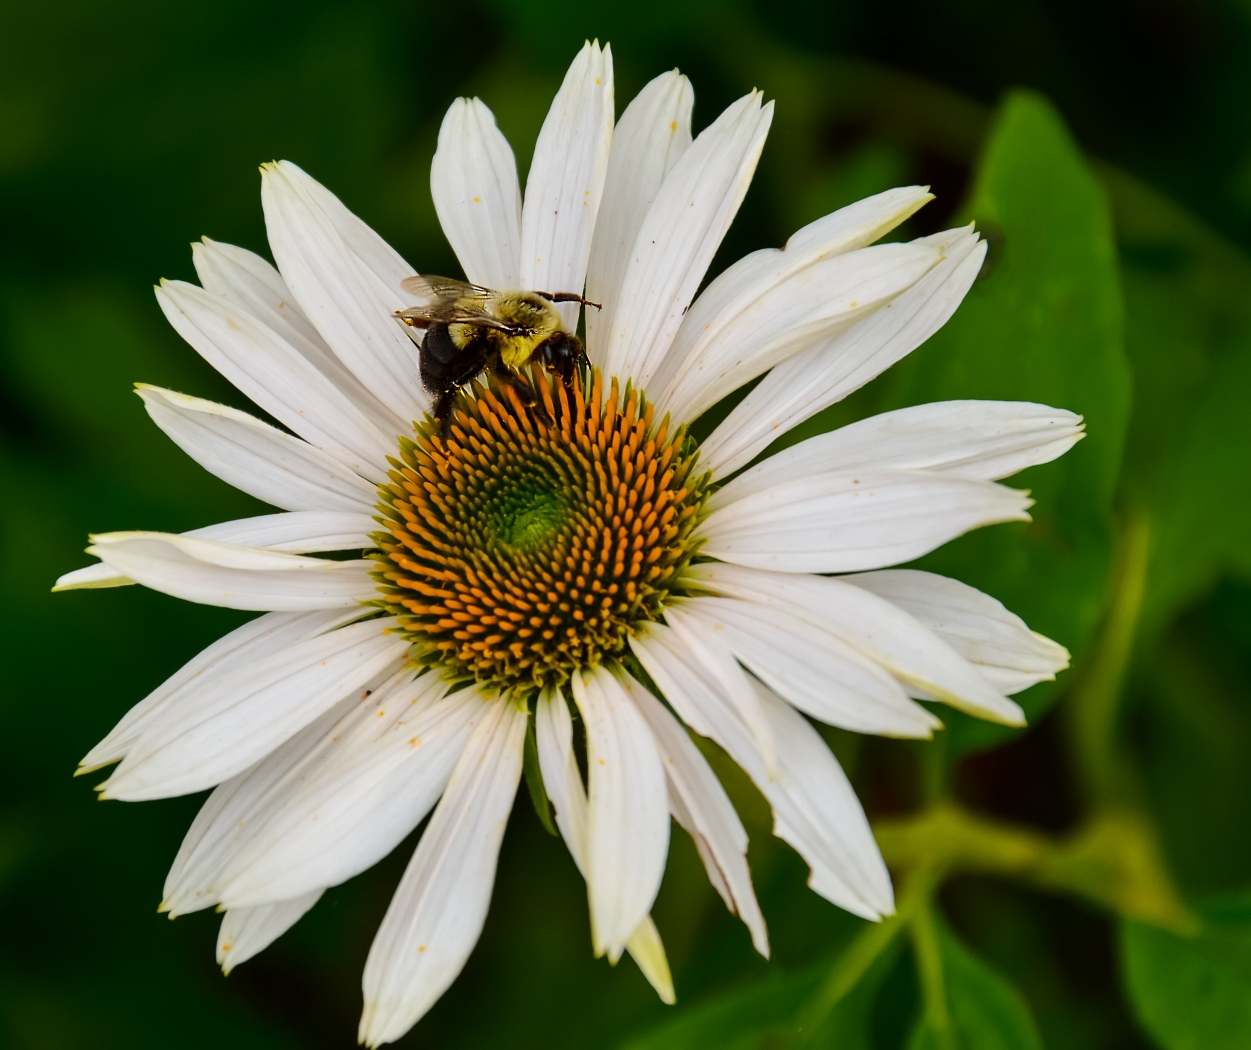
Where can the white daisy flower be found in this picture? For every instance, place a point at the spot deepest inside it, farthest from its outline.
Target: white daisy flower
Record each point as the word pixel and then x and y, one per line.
pixel 582 549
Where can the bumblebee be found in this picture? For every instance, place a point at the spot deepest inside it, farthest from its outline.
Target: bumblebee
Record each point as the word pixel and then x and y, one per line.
pixel 470 329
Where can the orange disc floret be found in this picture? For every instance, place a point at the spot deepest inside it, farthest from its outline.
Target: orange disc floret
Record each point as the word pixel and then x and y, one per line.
pixel 534 539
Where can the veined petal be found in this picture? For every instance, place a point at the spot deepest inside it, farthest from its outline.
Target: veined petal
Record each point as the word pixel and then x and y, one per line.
pixel 437 913
pixel 369 790
pixel 653 132
pixel 562 780
pixel 874 626
pixel 257 638
pixel 227 724
pixel 275 375
pixel 246 932
pixel 699 803
pixel 845 522
pixel 566 180
pixel 251 283
pixel 236 577
pixel 385 266
pixel 814 304
pixel 742 307
pixel 683 228
pixel 813 669
pixel 473 180
pixel 803 385
pixel 254 457
pixel 718 660
pixel 628 825
pixel 563 783
pixel 823 813
pixel 976 439
pixel 974 624
pixel 351 304
pixel 814 808
pixel 739 288
pixel 239 807
pixel 297 532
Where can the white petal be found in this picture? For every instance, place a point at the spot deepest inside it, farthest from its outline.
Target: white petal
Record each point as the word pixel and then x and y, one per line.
pixel 271 372
pixel 252 284
pixel 822 816
pixel 653 132
pixel 628 826
pixel 812 306
pixel 647 949
pixel 226 724
pixel 882 631
pixel 976 625
pixel 845 522
pixel 812 669
pixel 437 913
pixel 91 577
pixel 240 806
pixel 718 660
pixel 257 638
pixel 695 205
pixel 245 932
pixel 699 803
pixel 976 439
pixel 566 180
pixel 803 385
pixel 553 729
pixel 563 782
pixel 349 301
pixel 385 266
pixel 254 457
pixel 814 808
pixel 473 180
pixel 232 576
pixel 298 532
pixel 370 788
pixel 739 288
pixel 774 297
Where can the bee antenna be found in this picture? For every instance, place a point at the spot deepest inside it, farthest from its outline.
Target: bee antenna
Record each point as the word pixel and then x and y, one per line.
pixel 568 297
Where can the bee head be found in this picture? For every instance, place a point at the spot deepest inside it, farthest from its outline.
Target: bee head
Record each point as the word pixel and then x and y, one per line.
pixel 561 353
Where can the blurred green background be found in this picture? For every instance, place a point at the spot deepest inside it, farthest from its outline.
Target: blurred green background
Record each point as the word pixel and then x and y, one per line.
pixel 1092 874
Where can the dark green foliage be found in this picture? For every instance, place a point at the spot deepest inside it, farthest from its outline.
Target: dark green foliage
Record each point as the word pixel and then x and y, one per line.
pixel 1191 992
pixel 1115 190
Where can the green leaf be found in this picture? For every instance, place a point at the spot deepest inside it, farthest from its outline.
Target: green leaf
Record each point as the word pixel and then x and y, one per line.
pixel 1193 993
pixel 981 1010
pixel 1188 336
pixel 768 1015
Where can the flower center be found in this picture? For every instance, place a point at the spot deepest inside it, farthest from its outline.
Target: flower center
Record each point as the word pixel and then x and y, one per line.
pixel 535 539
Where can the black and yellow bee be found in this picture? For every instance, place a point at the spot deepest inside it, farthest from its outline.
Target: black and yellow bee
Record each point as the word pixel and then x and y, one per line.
pixel 470 329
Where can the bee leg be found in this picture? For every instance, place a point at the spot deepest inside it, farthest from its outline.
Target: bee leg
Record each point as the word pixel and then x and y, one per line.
pixel 525 393
pixel 443 413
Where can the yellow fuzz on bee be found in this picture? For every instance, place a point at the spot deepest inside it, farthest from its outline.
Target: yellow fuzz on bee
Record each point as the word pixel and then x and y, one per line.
pixel 533 542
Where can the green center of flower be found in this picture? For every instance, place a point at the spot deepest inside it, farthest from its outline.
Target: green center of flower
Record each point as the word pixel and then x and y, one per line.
pixel 528 510
pixel 533 542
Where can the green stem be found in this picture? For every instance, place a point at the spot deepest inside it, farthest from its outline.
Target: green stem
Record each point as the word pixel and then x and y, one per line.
pixel 854 963
pixel 933 982
pixel 1092 706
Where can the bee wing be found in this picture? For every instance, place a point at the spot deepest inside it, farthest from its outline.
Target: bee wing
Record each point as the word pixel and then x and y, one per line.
pixel 434 289
pixel 449 301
